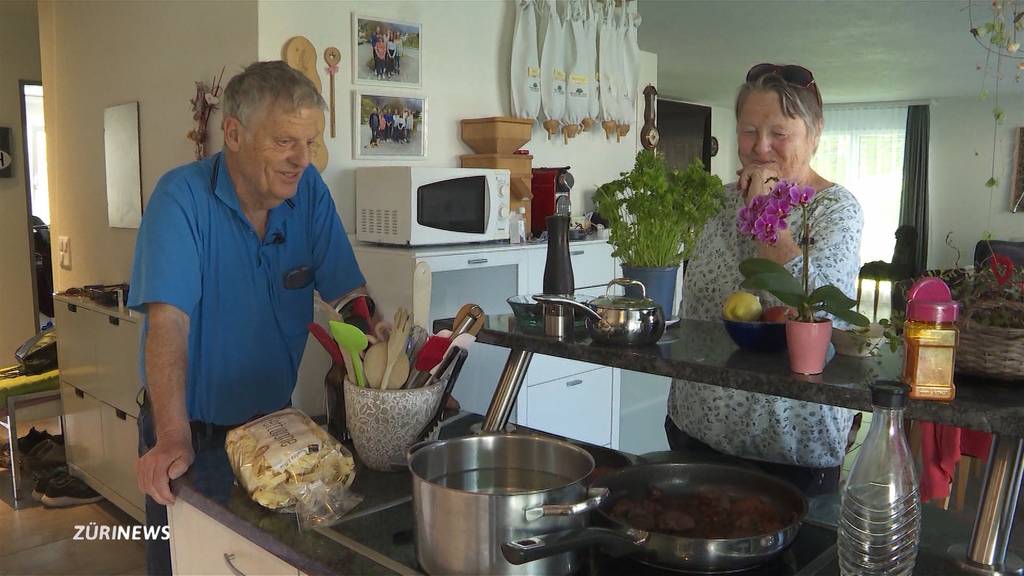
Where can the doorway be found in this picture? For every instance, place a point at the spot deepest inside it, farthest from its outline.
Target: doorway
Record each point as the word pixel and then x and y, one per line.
pixel 33 130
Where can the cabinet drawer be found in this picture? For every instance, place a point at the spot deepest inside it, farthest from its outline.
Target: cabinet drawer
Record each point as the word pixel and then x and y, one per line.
pixel 475 260
pixel 546 368
pixel 592 264
pixel 76 346
pixel 199 545
pixel 578 407
pixel 117 356
pixel 121 452
pixel 83 438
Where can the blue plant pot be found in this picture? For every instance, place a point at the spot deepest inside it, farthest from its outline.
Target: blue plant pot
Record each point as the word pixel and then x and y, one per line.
pixel 659 282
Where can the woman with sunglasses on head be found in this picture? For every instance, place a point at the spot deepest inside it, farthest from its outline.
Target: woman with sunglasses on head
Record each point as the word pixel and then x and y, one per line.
pixel 778 123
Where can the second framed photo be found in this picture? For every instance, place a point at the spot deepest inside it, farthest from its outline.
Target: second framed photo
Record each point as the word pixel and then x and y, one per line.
pixel 389 126
pixel 386 52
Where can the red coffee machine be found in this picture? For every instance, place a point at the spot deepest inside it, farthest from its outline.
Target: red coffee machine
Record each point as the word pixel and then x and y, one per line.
pixel 547 185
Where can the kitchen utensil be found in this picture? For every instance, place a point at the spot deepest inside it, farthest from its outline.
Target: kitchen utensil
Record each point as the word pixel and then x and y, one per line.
pixel 474 311
pixel 352 340
pixel 666 550
pixel 460 335
pixel 463 341
pixel 299 53
pixel 396 348
pixel 332 56
pixel 435 347
pixel 375 363
pixel 422 282
pixel 460 355
pixel 384 423
pixel 417 336
pixel 469 495
pixel 327 342
pixel 619 320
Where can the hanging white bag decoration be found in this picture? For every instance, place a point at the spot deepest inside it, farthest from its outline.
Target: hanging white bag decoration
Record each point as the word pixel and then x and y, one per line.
pixel 552 71
pixel 525 62
pixel 577 100
pixel 623 113
pixel 607 56
pixel 592 24
pixel 631 65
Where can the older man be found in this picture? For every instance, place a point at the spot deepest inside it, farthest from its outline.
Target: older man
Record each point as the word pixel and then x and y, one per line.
pixel 227 258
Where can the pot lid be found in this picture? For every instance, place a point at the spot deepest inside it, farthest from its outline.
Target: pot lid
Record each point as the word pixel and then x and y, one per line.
pixel 623 302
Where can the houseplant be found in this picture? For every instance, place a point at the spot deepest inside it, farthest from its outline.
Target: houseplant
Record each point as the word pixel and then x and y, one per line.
pixel 762 219
pixel 655 217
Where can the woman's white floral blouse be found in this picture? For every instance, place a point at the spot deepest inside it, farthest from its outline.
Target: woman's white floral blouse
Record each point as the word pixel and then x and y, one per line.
pixel 753 425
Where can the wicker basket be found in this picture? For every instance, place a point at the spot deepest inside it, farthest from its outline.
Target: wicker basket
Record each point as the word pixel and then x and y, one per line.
pixel 991 352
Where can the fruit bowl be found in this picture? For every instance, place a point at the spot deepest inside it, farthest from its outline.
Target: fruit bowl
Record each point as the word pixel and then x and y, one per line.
pixel 766 337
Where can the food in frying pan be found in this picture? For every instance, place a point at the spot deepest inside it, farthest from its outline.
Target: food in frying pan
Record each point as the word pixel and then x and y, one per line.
pixel 707 513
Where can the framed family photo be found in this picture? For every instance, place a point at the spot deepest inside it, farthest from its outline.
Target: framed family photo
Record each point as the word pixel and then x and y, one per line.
pixel 389 126
pixel 386 52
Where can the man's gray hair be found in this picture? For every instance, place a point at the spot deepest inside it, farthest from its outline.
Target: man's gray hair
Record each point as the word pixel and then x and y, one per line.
pixel 272 83
pixel 796 102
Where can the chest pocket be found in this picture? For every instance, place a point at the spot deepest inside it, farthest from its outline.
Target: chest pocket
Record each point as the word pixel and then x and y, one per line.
pixel 294 293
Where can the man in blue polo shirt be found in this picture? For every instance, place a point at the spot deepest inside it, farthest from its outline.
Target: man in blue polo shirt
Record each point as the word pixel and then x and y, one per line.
pixel 227 258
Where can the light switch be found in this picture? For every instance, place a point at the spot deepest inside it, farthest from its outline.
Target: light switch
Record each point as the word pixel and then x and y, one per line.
pixel 64 251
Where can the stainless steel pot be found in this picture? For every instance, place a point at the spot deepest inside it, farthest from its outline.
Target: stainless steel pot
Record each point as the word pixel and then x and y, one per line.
pixel 618 319
pixel 472 494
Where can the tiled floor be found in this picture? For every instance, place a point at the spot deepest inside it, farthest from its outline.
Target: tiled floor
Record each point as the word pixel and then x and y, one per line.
pixel 39 541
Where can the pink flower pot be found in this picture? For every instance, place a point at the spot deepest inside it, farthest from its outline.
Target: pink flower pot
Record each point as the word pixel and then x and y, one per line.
pixel 808 345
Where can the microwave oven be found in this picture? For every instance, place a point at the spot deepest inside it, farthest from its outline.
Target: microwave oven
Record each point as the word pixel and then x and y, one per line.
pixel 419 205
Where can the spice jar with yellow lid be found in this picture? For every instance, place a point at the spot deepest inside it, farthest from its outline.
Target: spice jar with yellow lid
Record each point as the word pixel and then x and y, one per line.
pixel 930 338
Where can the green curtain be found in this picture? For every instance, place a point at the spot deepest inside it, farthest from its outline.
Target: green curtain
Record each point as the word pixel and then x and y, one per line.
pixel 914 202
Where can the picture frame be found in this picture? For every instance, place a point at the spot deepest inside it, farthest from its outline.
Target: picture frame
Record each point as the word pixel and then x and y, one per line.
pixel 1017 178
pixel 402 49
pixel 398 133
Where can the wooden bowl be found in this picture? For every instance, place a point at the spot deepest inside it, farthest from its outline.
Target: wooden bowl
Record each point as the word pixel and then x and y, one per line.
pixel 496 135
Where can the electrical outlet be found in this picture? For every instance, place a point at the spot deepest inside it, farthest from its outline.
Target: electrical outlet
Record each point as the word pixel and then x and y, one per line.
pixel 64 251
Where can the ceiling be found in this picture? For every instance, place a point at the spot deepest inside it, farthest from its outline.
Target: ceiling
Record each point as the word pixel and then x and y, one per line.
pixel 859 51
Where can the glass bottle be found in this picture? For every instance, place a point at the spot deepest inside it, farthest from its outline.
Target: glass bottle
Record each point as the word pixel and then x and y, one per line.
pixel 930 338
pixel 880 518
pixel 514 228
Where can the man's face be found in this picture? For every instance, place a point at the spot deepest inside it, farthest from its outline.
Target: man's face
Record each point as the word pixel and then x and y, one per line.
pixel 273 151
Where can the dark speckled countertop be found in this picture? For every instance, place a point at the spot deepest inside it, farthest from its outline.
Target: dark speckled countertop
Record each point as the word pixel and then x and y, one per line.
pixel 703 352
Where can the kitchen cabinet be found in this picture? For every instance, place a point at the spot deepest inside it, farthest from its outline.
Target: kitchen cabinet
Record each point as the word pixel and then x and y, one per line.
pixel 98 349
pixel 577 406
pixel 202 545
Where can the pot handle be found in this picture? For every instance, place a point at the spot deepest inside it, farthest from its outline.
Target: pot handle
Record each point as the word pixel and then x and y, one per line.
pixel 594 498
pixel 612 542
pixel 627 282
pixel 546 299
pixel 416 448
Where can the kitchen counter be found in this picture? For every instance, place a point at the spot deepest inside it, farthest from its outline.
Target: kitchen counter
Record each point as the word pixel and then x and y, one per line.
pixel 377 536
pixel 703 352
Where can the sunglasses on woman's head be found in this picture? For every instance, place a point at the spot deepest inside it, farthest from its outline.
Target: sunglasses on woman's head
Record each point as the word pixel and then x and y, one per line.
pixel 791 73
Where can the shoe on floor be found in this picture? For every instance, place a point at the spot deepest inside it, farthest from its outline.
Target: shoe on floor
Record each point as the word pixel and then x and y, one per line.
pixel 66 490
pixel 44 480
pixel 5 456
pixel 29 441
pixel 45 456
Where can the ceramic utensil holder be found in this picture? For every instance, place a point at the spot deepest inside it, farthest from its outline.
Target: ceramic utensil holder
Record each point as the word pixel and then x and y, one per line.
pixel 384 423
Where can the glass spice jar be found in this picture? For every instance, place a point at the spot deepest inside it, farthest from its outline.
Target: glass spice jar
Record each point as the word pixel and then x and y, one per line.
pixel 930 338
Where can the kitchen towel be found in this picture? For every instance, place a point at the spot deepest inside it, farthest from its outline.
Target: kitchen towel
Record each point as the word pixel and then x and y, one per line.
pixel 941 448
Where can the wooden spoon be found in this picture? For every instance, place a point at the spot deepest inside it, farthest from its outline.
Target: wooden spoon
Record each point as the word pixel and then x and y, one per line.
pixel 375 363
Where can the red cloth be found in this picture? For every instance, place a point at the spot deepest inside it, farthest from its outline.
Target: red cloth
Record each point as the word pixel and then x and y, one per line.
pixel 941 447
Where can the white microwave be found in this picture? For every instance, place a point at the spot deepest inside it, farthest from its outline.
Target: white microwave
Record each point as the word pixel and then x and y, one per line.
pixel 419 205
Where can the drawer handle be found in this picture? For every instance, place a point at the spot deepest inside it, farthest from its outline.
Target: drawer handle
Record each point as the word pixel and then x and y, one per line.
pixel 72 308
pixel 572 383
pixel 477 261
pixel 114 320
pixel 577 252
pixel 79 393
pixel 228 559
pixel 121 414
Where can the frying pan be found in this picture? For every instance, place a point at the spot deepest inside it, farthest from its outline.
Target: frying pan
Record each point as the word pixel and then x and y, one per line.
pixel 666 550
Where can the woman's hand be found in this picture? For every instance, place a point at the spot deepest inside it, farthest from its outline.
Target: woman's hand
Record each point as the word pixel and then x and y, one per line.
pixel 756 180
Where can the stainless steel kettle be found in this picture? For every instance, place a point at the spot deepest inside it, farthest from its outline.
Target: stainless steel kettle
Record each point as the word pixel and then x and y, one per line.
pixel 622 320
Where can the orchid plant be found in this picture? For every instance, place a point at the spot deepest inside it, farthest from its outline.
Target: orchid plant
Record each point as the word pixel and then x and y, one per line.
pixel 763 219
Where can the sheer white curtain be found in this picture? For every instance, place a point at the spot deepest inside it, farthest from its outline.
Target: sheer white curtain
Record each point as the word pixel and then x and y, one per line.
pixel 861 148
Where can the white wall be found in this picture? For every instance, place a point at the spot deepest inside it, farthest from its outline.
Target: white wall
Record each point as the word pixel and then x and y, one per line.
pixel 100 54
pixel 959 165
pixel 19 60
pixel 467 50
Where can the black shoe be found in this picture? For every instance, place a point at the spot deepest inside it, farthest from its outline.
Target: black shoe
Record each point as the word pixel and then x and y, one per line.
pixel 44 457
pixel 5 456
pixel 44 480
pixel 29 441
pixel 66 490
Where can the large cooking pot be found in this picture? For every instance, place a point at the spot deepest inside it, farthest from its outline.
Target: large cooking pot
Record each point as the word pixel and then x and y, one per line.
pixel 666 549
pixel 622 320
pixel 472 494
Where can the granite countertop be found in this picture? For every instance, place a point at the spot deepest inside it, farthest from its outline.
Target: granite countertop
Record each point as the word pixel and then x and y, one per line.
pixel 703 352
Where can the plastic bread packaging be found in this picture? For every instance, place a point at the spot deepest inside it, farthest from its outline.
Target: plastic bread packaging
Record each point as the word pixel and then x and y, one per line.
pixel 286 462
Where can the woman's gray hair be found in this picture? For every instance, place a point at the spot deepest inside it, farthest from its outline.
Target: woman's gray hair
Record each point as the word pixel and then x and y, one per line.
pixel 273 83
pixel 796 102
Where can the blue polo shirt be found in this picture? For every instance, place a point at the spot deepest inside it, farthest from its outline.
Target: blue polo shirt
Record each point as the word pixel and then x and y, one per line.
pixel 197 251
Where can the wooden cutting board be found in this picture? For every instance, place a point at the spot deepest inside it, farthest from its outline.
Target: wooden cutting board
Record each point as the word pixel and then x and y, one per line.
pixel 300 54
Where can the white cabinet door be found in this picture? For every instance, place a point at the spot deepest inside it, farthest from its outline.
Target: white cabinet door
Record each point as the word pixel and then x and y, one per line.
pixel 117 357
pixel 592 265
pixel 578 406
pixel 76 347
pixel 201 545
pixel 83 430
pixel 121 447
